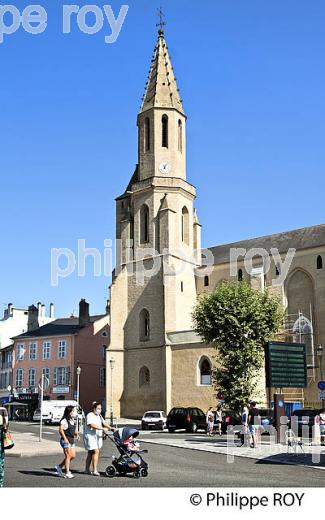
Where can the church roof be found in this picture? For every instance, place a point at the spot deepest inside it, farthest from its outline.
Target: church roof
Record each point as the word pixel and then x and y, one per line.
pixel 161 88
pixel 304 238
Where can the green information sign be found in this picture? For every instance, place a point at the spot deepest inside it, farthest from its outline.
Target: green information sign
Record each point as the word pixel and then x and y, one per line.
pixel 286 365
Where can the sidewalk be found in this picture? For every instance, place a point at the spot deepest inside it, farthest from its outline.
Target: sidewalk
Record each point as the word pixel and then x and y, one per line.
pixel 28 445
pixel 311 456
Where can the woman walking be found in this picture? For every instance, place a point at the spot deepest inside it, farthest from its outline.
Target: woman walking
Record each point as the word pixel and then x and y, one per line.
pixel 93 437
pixel 210 421
pixel 68 434
pixel 3 428
pixel 219 419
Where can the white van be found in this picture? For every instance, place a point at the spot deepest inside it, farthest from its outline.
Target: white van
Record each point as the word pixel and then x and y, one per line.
pixel 54 410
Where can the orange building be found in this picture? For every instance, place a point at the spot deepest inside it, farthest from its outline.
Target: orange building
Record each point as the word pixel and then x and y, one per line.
pixel 56 350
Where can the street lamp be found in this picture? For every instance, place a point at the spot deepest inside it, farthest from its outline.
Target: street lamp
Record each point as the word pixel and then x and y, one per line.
pixel 78 371
pixel 78 383
pixel 320 354
pixel 111 363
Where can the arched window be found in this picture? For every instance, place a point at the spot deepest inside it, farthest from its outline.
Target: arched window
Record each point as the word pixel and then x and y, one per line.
pixel 319 262
pixel 185 226
pixel 147 134
pixel 144 377
pixel 205 371
pixel 164 129
pixel 144 224
pixel 144 325
pixel 180 136
pixel 206 281
pixel 240 275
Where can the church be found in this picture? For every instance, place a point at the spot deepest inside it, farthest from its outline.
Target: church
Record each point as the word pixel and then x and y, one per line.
pixel 159 360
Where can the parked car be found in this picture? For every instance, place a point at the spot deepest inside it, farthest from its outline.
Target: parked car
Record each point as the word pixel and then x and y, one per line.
pixel 267 419
pixel 154 419
pixel 305 420
pixel 190 419
pixel 229 418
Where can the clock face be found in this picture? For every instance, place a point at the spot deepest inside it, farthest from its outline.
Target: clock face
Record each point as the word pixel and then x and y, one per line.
pixel 164 167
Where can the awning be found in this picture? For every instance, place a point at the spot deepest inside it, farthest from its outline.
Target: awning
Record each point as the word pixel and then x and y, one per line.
pixel 16 403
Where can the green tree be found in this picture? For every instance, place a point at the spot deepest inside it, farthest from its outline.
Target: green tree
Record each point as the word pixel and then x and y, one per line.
pixel 238 320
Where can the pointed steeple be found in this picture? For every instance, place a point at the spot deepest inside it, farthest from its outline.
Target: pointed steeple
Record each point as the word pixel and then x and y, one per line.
pixel 161 89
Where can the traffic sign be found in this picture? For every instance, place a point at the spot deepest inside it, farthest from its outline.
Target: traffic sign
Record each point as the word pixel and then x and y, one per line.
pixel 321 385
pixel 321 395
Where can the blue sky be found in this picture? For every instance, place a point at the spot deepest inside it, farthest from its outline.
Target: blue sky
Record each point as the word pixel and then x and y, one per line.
pixel 251 75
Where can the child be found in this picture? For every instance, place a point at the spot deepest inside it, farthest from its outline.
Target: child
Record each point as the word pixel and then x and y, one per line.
pixel 131 445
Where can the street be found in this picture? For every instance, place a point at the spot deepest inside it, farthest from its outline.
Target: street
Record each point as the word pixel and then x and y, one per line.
pixel 169 466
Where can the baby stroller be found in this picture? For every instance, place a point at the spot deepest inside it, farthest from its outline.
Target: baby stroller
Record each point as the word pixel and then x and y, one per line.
pixel 130 461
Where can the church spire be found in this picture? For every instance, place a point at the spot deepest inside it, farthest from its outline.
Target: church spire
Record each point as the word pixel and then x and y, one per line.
pixel 161 88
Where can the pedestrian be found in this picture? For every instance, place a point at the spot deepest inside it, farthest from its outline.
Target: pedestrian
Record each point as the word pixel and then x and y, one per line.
pixel 95 427
pixel 322 425
pixel 3 428
pixel 68 435
pixel 244 427
pixel 210 421
pixel 219 419
pixel 253 419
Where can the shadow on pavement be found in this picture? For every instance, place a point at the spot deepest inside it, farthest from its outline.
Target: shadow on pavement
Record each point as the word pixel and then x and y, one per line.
pixel 301 459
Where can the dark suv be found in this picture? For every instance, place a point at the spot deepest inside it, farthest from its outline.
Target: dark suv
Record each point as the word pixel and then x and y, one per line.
pixel 303 420
pixel 189 419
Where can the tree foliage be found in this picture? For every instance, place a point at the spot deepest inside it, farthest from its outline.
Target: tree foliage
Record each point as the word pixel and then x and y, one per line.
pixel 238 320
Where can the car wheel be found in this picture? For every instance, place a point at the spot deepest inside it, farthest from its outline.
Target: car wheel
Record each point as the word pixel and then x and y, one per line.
pixel 171 430
pixel 144 427
pixel 110 471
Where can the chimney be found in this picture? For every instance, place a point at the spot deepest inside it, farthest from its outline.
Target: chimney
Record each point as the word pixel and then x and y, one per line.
pixel 39 306
pixel 32 318
pixel 8 311
pixel 108 307
pixel 84 318
pixel 51 310
pixel 43 311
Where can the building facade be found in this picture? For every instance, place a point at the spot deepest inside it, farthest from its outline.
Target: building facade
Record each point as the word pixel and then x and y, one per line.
pixel 160 362
pixel 16 321
pixel 56 350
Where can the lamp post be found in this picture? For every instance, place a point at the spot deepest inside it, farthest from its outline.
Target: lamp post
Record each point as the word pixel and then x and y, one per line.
pixel 78 383
pixel 78 371
pixel 111 363
pixel 320 354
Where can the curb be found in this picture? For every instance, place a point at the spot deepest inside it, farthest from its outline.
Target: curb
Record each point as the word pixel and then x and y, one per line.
pixel 29 454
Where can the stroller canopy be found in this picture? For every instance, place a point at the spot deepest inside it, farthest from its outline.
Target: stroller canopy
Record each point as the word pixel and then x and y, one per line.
pixel 122 434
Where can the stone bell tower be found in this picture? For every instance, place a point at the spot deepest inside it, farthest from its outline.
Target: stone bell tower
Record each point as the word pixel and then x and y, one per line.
pixel 159 233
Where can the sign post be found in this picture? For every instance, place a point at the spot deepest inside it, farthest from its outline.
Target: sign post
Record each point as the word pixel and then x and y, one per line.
pixel 286 367
pixel 41 408
pixel 41 387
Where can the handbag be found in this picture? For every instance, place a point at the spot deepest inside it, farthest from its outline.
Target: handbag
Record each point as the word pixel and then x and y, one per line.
pixel 8 441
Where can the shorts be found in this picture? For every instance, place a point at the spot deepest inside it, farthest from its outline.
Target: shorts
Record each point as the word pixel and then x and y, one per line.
pixel 66 445
pixel 252 429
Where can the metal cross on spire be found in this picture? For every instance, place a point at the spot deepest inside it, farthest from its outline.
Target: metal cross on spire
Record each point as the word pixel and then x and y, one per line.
pixel 162 22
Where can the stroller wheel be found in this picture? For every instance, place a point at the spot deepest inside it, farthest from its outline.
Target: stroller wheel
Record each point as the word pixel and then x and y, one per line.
pixel 137 474
pixel 144 472
pixel 110 471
